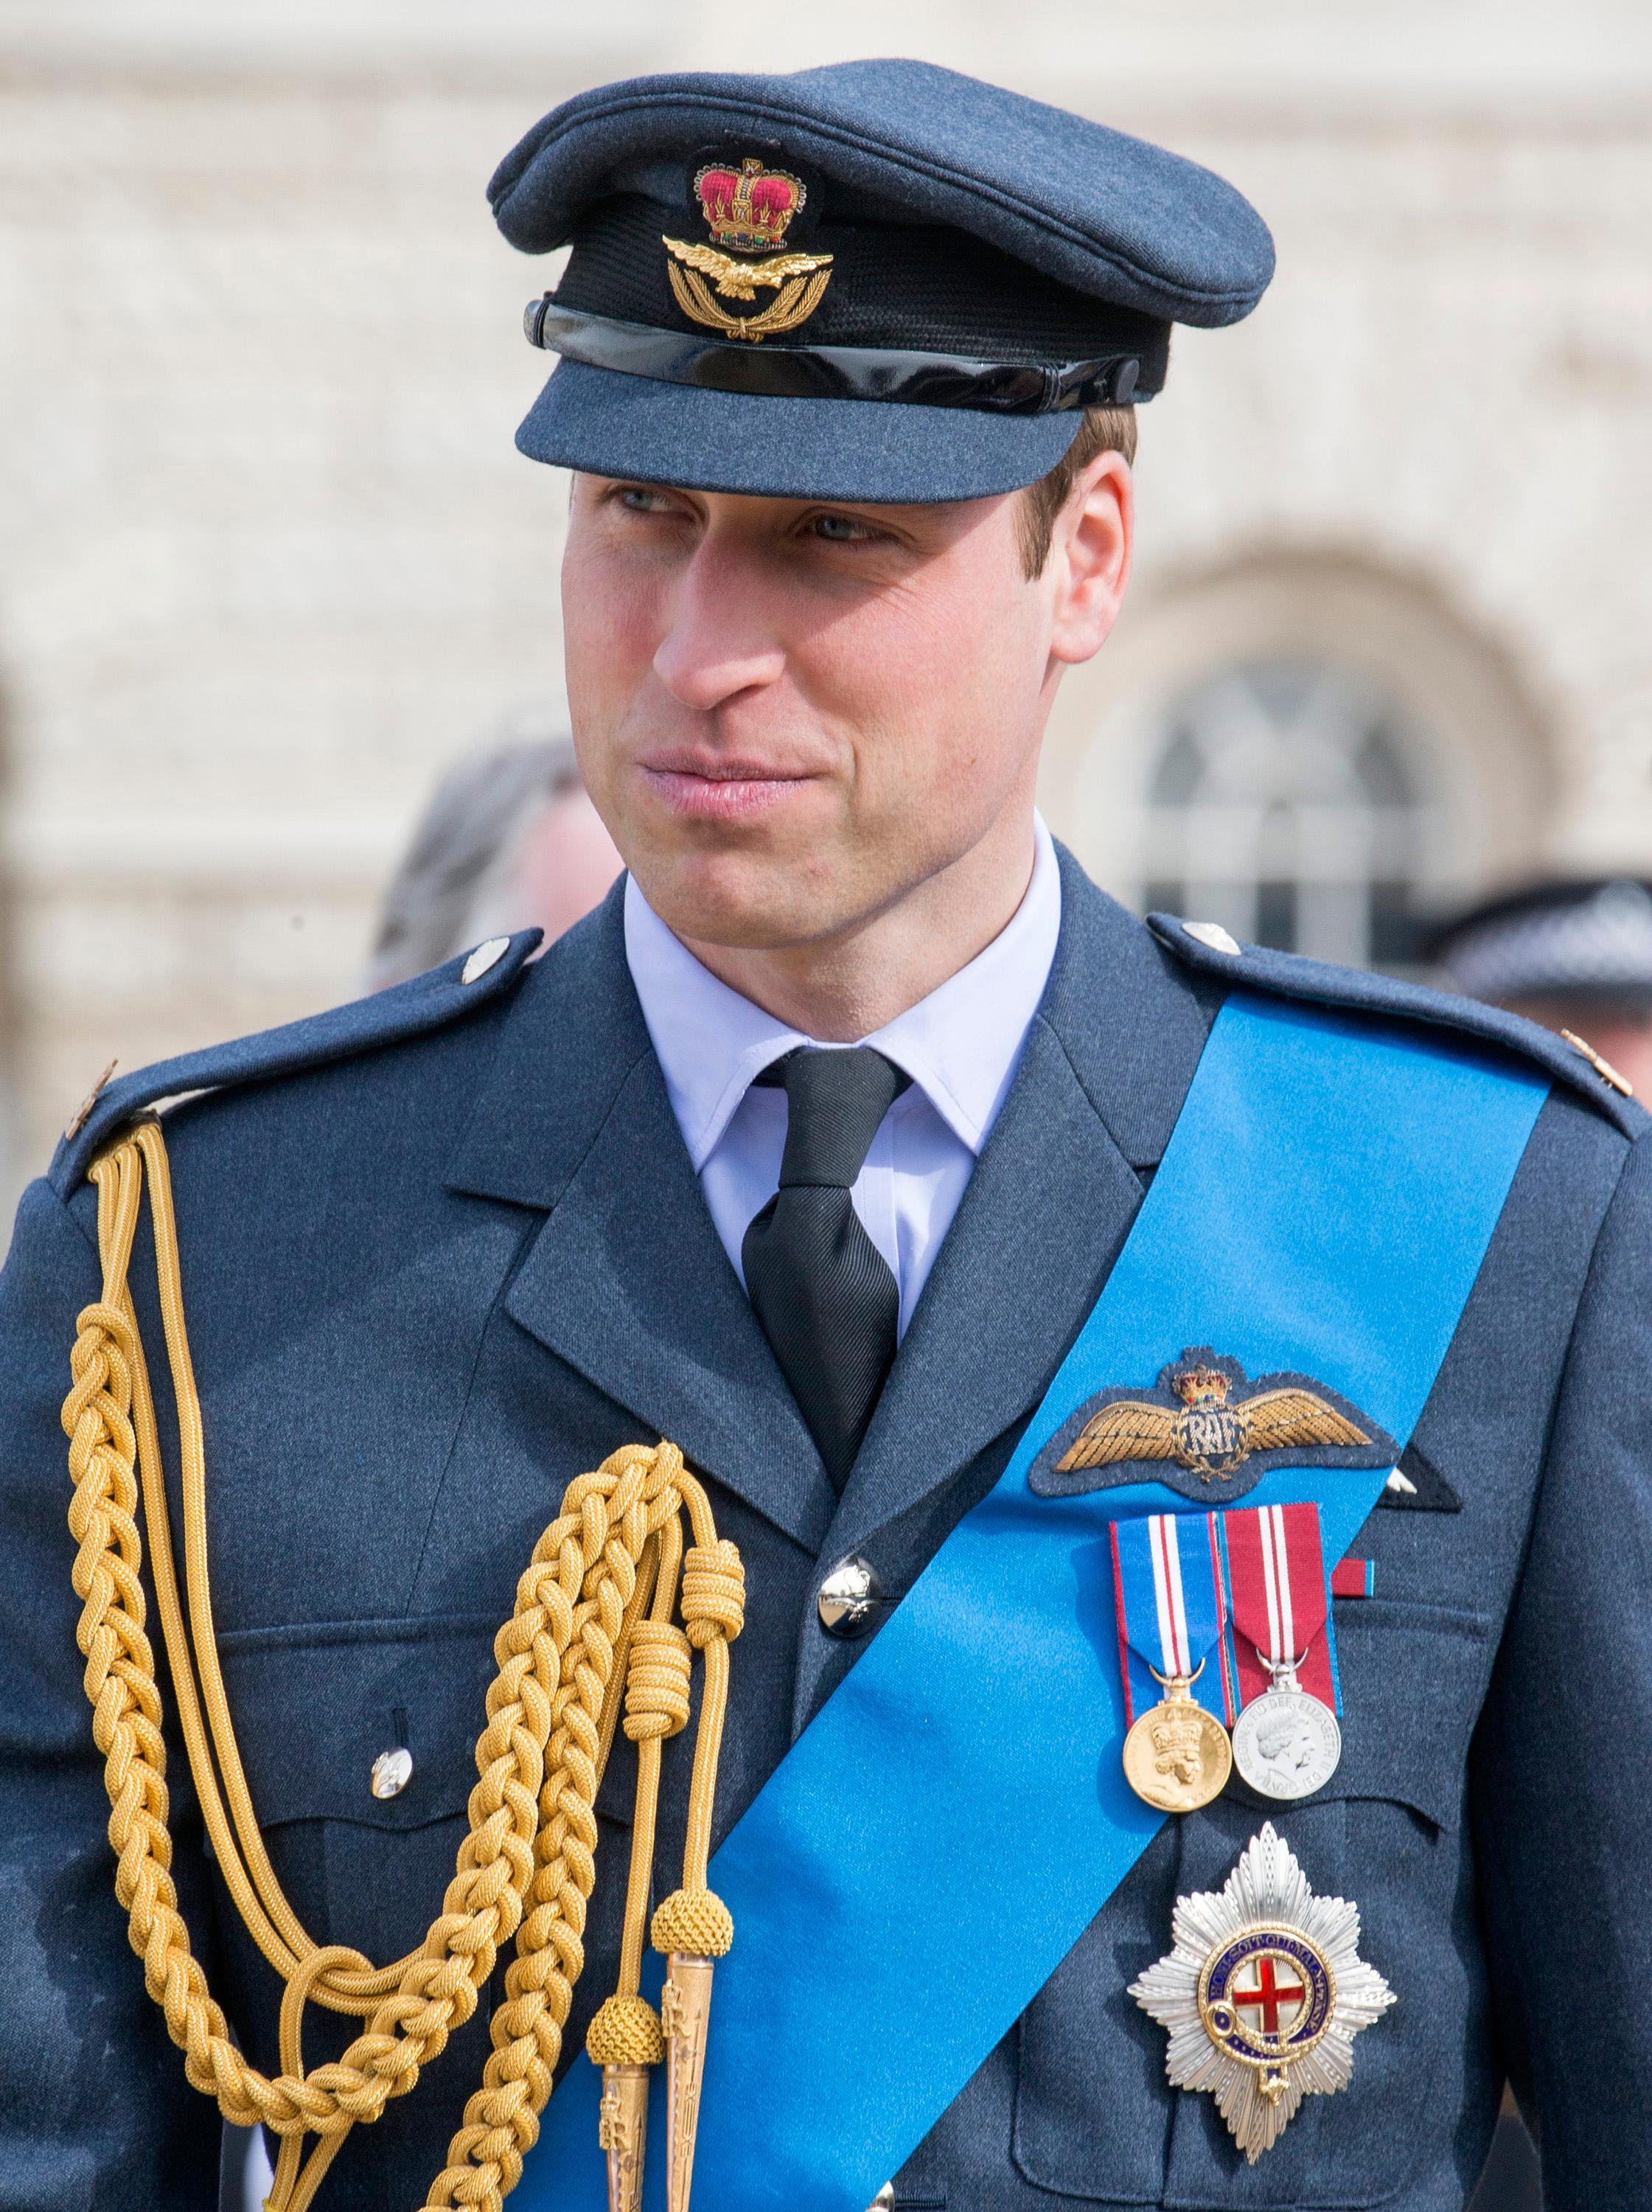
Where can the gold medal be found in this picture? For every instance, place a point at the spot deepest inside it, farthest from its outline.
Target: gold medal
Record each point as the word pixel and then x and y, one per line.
pixel 1177 1757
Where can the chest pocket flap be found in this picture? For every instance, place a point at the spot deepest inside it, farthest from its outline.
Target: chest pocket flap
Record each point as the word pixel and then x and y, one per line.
pixel 314 1707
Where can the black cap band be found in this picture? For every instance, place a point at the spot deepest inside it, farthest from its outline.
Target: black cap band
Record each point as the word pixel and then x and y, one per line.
pixel 877 373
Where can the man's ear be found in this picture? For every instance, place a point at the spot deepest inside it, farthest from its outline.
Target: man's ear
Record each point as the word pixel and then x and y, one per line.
pixel 1089 560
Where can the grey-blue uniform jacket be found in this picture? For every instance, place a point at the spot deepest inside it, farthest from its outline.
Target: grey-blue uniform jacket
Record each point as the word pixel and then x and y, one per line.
pixel 445 1249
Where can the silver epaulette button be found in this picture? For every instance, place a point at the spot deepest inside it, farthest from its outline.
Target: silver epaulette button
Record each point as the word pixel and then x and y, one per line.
pixel 486 955
pixel 1212 934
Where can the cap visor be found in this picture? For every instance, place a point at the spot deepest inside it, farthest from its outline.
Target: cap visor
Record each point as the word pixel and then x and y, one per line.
pixel 613 425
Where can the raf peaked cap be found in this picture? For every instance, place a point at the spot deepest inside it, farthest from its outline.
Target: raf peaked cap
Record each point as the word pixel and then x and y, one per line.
pixel 879 281
pixel 1587 941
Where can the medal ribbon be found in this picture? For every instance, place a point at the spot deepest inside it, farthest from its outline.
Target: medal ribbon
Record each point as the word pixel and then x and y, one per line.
pixel 1280 1598
pixel 1172 1611
pixel 1354 1578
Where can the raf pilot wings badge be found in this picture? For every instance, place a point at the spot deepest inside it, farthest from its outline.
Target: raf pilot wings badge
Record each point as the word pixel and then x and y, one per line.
pixel 1205 1422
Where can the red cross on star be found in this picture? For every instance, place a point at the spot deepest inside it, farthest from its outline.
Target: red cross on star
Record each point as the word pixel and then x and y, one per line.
pixel 1266 1994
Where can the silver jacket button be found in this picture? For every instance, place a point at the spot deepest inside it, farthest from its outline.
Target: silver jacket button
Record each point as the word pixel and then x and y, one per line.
pixel 851 1598
pixel 391 1773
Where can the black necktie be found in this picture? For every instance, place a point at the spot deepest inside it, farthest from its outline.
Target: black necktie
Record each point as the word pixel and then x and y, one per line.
pixel 826 1297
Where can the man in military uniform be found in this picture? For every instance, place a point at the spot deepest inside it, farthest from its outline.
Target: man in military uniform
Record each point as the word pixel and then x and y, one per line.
pixel 1051 1305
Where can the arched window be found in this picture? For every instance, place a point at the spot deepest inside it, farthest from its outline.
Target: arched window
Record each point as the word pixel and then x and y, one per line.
pixel 1309 749
pixel 1288 802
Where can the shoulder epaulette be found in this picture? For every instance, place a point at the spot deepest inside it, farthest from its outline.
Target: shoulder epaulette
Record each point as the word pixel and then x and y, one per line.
pixel 1211 952
pixel 458 988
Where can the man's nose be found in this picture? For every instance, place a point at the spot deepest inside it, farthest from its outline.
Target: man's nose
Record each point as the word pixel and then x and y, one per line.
pixel 718 642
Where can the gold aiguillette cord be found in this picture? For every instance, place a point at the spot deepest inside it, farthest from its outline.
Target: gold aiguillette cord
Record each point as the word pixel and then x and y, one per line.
pixel 693 1927
pixel 525 1869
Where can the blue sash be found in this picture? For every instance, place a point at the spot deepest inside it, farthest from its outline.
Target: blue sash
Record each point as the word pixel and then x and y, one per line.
pixel 955 1817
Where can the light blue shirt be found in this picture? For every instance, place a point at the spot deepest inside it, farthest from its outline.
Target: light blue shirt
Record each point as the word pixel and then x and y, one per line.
pixel 960 1046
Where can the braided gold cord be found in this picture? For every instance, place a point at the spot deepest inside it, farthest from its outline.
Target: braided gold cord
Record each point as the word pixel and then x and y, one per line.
pixel 526 1868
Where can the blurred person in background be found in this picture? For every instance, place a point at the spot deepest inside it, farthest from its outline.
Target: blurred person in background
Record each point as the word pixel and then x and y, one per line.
pixel 508 840
pixel 1574 955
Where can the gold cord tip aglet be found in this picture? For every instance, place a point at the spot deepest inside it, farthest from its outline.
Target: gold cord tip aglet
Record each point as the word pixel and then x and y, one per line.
pixel 623 2132
pixel 685 2014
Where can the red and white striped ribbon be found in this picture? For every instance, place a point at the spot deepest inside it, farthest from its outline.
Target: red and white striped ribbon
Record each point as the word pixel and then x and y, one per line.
pixel 1168 1594
pixel 1279 1597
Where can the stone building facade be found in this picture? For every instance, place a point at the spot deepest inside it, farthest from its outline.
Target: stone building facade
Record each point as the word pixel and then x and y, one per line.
pixel 269 562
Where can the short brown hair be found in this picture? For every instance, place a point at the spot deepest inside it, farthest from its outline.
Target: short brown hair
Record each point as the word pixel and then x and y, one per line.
pixel 1103 430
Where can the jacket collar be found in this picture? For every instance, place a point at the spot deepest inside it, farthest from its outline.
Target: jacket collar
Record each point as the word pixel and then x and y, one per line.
pixel 572 1037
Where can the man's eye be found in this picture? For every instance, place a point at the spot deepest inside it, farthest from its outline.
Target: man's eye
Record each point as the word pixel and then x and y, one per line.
pixel 841 529
pixel 638 499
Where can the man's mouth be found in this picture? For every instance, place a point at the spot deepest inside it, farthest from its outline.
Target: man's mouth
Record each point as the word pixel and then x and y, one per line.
pixel 713 788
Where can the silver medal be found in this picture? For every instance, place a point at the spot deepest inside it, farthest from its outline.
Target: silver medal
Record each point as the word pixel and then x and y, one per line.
pixel 1286 1743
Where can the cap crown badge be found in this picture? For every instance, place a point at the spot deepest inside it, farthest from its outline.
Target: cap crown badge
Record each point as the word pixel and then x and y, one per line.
pixel 748 208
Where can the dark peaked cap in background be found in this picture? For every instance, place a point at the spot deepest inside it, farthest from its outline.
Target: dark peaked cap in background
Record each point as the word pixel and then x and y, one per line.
pixel 1586 942
pixel 879 281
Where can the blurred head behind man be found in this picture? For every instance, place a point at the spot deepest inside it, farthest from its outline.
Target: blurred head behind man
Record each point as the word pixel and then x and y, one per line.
pixel 508 840
pixel 1574 954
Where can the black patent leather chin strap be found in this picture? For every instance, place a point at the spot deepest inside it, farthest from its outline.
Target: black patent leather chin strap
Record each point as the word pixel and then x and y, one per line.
pixel 877 373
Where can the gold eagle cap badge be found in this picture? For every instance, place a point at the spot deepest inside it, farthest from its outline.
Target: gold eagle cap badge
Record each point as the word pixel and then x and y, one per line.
pixel 747 209
pixel 1205 1423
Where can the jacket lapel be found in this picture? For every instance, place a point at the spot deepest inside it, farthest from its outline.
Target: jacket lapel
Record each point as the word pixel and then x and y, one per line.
pixel 1106 1065
pixel 627 1280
